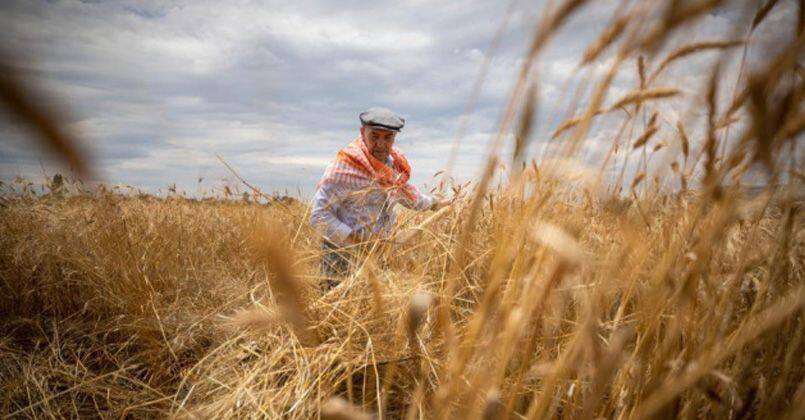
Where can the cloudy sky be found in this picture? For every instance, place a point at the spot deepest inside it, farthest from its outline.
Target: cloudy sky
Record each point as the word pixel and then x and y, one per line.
pixel 156 88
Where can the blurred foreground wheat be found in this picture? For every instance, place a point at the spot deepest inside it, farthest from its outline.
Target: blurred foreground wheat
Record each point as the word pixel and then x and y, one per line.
pixel 559 293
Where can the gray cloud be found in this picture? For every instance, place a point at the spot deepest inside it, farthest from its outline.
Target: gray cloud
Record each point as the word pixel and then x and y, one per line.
pixel 157 88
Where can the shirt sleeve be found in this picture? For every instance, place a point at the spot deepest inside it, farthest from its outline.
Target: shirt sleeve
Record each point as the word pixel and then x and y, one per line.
pixel 421 200
pixel 323 215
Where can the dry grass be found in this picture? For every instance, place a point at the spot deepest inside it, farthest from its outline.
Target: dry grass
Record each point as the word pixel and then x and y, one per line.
pixel 125 305
pixel 546 296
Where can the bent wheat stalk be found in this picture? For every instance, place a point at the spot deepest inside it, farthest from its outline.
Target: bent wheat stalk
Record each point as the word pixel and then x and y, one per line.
pixel 405 236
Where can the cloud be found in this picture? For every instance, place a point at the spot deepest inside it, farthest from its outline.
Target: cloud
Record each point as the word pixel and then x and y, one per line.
pixel 157 88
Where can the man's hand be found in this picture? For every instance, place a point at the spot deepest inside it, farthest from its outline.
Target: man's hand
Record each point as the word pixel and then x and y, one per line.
pixel 439 203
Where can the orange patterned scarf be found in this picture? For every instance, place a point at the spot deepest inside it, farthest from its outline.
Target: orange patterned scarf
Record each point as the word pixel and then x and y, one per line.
pixel 356 166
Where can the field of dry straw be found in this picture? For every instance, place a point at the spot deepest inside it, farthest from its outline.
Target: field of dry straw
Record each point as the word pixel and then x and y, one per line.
pixel 553 294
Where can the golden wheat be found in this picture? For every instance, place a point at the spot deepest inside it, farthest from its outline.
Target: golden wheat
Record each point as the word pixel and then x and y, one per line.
pixel 553 295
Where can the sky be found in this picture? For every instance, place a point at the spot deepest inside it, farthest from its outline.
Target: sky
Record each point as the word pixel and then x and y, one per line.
pixel 157 89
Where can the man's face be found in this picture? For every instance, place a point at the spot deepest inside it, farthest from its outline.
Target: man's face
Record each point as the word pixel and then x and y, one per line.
pixel 378 141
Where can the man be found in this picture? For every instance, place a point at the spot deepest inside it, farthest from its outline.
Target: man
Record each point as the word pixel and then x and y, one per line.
pixel 355 198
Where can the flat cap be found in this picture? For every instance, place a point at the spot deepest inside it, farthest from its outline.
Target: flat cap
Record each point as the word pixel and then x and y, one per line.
pixel 382 118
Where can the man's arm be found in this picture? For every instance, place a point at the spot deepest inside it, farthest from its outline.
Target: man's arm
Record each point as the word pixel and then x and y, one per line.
pixel 420 201
pixel 324 219
pixel 423 201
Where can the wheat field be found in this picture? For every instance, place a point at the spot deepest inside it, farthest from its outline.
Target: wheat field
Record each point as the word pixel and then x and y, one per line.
pixel 558 293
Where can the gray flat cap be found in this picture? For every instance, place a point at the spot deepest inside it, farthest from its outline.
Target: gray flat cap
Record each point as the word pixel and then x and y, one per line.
pixel 382 118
